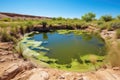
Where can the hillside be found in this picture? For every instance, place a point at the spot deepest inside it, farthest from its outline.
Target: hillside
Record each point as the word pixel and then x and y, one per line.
pixel 20 16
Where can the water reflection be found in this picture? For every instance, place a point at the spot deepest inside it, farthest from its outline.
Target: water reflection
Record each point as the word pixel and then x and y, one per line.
pixel 45 36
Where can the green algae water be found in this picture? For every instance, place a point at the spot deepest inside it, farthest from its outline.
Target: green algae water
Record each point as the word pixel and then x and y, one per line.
pixel 71 50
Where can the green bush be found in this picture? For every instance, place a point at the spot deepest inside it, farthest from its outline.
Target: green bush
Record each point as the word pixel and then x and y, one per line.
pixel 100 22
pixel 6 37
pixel 6 19
pixel 44 23
pixel 118 33
pixel 118 17
pixel 102 26
pixel 88 17
pixel 29 26
pixel 22 29
pixel 106 18
pixel 115 25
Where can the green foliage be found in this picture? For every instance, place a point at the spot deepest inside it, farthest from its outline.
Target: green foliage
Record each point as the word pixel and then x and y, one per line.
pixel 114 53
pixel 118 17
pixel 88 17
pixel 44 23
pixel 76 19
pixel 118 33
pixel 4 25
pixel 54 18
pixel 6 37
pixel 100 22
pixel 60 18
pixel 29 26
pixel 106 18
pixel 6 19
pixel 115 25
pixel 14 32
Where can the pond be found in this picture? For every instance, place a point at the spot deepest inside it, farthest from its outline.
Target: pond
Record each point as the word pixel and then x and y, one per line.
pixel 68 50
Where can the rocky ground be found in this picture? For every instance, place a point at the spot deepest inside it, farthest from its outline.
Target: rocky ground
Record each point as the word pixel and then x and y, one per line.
pixel 12 67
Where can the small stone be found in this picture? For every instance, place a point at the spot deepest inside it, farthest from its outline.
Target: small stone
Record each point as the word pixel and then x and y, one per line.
pixel 85 78
pixel 42 75
pixel 62 77
pixel 80 79
pixel 116 68
pixel 2 60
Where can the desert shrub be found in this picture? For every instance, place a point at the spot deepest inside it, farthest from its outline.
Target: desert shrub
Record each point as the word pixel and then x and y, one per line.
pixel 106 26
pixel 44 23
pixel 102 27
pixel 88 17
pixel 60 18
pixel 14 32
pixel 3 25
pixel 118 17
pixel 29 26
pixel 118 33
pixel 22 29
pixel 114 54
pixel 6 37
pixel 84 25
pixel 19 48
pixel 106 18
pixel 69 26
pixel 54 18
pixel 100 22
pixel 115 25
pixel 6 19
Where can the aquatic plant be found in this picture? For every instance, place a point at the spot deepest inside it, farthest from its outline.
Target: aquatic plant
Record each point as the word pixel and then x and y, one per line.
pixel 93 60
pixel 63 31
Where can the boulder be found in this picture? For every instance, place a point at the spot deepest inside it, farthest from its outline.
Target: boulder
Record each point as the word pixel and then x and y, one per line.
pixel 10 72
pixel 39 75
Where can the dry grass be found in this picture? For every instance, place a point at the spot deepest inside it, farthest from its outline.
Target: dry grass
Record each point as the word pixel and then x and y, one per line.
pixel 114 53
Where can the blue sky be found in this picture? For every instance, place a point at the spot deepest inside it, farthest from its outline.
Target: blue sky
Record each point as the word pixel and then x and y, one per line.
pixel 64 8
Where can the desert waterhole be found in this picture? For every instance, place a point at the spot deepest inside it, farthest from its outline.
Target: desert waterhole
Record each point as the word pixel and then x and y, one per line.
pixel 67 50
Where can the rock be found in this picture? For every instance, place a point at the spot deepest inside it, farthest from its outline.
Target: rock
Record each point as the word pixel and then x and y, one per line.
pixel 39 75
pixel 15 69
pixel 3 53
pixel 85 78
pixel 26 65
pixel 10 72
pixel 62 77
pixel 80 78
pixel 116 68
pixel 2 60
pixel 33 74
pixel 106 75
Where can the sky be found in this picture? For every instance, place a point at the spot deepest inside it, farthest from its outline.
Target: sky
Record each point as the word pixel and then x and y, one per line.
pixel 61 8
